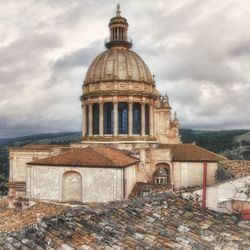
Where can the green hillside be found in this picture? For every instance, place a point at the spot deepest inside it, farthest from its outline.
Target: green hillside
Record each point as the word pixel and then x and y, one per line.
pixel 217 141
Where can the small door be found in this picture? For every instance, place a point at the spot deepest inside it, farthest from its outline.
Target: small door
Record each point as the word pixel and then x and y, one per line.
pixel 72 186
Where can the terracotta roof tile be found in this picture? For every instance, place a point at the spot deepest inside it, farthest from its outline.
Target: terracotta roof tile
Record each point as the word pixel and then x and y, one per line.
pixel 94 156
pixel 236 168
pixel 191 152
pixel 162 221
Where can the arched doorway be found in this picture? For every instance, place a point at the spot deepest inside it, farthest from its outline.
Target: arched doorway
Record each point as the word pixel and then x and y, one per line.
pixel 72 186
pixel 162 174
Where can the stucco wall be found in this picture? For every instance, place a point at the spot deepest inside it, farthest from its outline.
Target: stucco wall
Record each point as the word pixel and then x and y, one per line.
pixel 191 173
pixel 98 184
pixel 130 179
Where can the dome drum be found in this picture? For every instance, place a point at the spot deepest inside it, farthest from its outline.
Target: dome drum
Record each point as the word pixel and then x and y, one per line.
pixel 120 101
pixel 118 117
pixel 113 88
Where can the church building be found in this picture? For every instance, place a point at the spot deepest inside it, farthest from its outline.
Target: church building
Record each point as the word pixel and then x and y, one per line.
pixel 129 136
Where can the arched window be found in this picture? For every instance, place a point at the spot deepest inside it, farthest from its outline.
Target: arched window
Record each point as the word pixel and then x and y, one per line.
pixel 162 174
pixel 108 118
pixel 96 119
pixel 136 118
pixel 123 118
pixel 87 120
pixel 146 119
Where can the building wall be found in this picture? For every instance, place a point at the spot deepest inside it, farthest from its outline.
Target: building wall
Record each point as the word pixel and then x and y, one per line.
pixel 130 179
pixel 187 174
pixel 18 157
pixel 164 132
pixel 98 184
pixel 226 197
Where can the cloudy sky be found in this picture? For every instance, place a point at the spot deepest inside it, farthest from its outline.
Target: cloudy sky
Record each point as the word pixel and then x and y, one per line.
pixel 198 50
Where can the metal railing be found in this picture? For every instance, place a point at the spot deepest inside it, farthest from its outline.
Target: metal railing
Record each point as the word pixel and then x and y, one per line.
pixel 127 40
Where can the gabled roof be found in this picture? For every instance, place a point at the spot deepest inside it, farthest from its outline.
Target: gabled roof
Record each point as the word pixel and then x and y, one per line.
pixel 94 156
pixel 191 153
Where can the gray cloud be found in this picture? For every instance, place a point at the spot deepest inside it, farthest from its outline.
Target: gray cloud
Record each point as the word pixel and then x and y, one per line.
pixel 199 51
pixel 80 57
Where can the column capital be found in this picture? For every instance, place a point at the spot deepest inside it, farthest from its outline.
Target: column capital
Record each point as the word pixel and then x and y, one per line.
pixel 100 99
pixel 130 99
pixel 115 99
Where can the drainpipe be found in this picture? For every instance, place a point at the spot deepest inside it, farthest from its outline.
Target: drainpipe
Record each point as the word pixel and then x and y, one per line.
pixel 204 185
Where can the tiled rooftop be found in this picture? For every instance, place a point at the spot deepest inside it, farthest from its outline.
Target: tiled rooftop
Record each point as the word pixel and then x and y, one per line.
pixel 236 168
pixel 149 188
pixel 100 156
pixel 163 221
pixel 191 152
pixel 13 220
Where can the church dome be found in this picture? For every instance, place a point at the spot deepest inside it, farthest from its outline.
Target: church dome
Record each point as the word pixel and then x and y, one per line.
pixel 118 64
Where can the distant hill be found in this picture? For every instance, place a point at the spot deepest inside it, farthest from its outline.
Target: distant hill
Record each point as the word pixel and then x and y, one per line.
pixel 234 144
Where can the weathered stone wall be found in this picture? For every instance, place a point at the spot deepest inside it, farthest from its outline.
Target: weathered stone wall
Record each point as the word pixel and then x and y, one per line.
pixel 98 184
pixel 163 131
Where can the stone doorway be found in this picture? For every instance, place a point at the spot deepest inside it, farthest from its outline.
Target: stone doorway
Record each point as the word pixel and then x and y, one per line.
pixel 72 186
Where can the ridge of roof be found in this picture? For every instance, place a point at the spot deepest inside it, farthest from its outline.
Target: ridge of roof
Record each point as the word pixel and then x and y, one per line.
pixel 90 156
pixel 192 153
pixel 211 152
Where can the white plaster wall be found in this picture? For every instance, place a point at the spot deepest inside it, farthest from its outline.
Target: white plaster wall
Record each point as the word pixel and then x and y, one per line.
pixel 130 179
pixel 98 184
pixel 191 173
pixel 219 195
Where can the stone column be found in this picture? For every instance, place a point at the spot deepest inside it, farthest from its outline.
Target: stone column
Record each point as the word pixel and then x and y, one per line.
pixel 115 132
pixel 84 120
pixel 90 119
pixel 101 118
pixel 130 118
pixel 142 119
pixel 151 120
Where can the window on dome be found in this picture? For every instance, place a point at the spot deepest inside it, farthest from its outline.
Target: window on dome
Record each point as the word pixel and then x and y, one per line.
pixel 123 118
pixel 146 119
pixel 96 119
pixel 136 118
pixel 108 118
